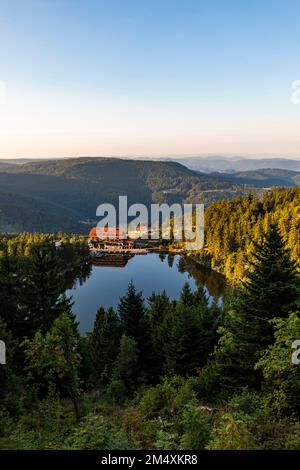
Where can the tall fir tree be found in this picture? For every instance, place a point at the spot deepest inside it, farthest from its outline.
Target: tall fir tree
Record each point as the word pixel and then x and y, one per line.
pixel 159 305
pixel 55 357
pixel 183 347
pixel 104 344
pixel 271 289
pixel 186 295
pixel 10 298
pixel 43 297
pixel 125 376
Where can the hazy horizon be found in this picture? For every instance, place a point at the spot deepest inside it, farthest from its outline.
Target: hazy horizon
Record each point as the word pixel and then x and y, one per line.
pixel 167 156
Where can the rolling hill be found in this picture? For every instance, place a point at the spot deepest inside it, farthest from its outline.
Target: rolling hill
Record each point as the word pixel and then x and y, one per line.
pixel 57 195
pixel 263 178
pixel 236 164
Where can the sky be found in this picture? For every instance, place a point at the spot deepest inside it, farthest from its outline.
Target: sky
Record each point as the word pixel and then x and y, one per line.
pixel 141 77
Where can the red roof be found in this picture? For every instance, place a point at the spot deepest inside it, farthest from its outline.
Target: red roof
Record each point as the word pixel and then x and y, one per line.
pixel 106 232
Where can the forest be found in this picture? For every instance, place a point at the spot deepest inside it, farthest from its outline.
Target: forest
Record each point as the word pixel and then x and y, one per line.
pixel 233 226
pixel 155 373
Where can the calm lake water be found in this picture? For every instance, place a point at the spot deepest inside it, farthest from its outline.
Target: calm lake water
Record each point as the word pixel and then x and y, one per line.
pixel 97 285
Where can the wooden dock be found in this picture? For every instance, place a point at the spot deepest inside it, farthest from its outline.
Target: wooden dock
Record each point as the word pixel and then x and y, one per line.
pixel 133 251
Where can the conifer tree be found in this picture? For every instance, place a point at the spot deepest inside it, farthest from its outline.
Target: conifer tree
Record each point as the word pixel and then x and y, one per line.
pixel 55 357
pixel 271 289
pixel 10 288
pixel 159 304
pixel 135 325
pixel 183 344
pixel 125 372
pixel 200 298
pixel 132 312
pixel 186 296
pixel 104 343
pixel 43 295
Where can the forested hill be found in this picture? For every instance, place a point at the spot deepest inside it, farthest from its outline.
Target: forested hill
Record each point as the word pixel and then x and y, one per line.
pixel 263 178
pixel 233 226
pixel 44 195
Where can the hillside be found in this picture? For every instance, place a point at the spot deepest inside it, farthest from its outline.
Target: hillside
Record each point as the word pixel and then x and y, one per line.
pixel 73 188
pixel 232 226
pixel 263 178
pixel 235 164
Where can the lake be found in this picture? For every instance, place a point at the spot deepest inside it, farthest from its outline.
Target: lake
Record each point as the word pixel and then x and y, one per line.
pixel 105 281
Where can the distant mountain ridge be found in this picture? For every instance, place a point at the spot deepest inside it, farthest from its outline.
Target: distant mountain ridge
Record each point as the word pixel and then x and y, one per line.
pixel 67 192
pixel 232 165
pixel 264 178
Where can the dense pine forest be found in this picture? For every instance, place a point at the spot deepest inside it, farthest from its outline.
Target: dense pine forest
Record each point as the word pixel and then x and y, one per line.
pixel 157 373
pixel 233 226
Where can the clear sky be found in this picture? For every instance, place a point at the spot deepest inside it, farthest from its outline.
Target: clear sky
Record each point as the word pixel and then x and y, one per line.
pixel 148 77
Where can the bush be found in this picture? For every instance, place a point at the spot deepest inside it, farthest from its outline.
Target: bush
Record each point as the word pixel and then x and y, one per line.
pixel 231 433
pixel 93 433
pixel 197 428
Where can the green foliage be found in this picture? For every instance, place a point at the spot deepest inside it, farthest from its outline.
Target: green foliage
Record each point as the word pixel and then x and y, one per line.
pixel 271 290
pixel 135 325
pixel 196 428
pixel 235 385
pixel 282 377
pixel 55 357
pixel 124 376
pixel 94 433
pixel 43 297
pixel 32 281
pixel 104 343
pixel 231 433
pixel 132 313
pixel 233 225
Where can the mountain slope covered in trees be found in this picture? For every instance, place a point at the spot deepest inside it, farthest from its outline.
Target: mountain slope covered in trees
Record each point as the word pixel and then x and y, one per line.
pixel 77 186
pixel 233 226
pixel 263 178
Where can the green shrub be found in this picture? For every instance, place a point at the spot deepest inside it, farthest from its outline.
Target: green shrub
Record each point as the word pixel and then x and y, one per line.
pixel 231 433
pixel 196 428
pixel 93 433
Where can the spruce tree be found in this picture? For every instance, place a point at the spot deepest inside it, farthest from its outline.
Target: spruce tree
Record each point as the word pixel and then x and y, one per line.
pixel 159 305
pixel 125 376
pixel 183 348
pixel 44 288
pixel 55 357
pixel 10 288
pixel 200 298
pixel 271 289
pixel 186 296
pixel 104 343
pixel 132 314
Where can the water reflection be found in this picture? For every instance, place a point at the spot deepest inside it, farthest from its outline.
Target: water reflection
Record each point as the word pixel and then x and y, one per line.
pixel 106 280
pixel 214 282
pixel 79 275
